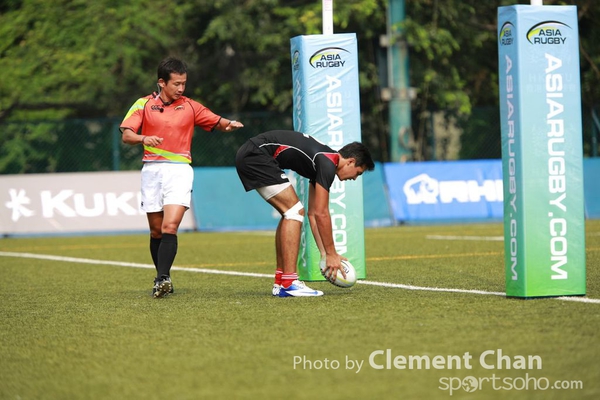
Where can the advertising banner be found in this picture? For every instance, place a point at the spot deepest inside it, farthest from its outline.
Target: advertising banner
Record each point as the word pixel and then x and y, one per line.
pixel 445 190
pixel 70 203
pixel 327 106
pixel 540 108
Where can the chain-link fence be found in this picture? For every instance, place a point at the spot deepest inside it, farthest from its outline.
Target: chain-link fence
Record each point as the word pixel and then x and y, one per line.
pixel 480 137
pixel 84 145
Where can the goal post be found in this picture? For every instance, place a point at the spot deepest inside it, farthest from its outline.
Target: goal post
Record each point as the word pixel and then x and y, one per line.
pixel 542 153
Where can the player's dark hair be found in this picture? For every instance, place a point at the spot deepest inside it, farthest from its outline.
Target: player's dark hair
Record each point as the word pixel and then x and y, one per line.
pixel 360 153
pixel 170 65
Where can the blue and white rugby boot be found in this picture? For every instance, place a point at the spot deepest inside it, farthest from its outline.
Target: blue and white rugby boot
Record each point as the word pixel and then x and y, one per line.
pixel 276 289
pixel 298 289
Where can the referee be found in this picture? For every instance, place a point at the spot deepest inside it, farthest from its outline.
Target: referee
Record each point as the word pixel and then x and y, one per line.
pixel 163 123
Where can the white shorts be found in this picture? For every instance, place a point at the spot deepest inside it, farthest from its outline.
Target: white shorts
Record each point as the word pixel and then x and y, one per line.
pixel 267 192
pixel 166 183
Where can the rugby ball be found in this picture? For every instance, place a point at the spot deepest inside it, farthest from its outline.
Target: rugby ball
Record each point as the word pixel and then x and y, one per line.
pixel 340 281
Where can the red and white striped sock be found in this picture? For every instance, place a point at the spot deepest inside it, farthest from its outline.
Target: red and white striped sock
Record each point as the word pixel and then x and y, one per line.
pixel 278 275
pixel 287 279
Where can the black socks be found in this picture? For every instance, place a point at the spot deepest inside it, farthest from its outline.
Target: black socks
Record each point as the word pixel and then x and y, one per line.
pixel 165 254
pixel 154 244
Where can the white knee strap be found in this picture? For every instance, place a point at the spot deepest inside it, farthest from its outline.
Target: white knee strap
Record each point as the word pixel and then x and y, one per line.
pixel 294 213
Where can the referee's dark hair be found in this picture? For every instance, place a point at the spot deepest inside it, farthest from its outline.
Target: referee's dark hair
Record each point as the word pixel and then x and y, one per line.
pixel 170 65
pixel 360 153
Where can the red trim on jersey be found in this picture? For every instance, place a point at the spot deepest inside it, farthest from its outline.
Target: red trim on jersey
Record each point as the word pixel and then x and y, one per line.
pixel 334 157
pixel 279 150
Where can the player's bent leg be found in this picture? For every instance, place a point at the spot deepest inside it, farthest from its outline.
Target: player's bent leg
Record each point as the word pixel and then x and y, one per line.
pixel 287 237
pixel 286 202
pixel 290 233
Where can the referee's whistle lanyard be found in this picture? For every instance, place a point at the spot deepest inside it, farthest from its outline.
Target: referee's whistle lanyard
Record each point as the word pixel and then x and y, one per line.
pixel 157 95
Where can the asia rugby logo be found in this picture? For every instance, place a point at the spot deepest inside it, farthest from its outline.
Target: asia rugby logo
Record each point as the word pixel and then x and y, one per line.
pixel 506 37
pixel 328 57
pixel 547 32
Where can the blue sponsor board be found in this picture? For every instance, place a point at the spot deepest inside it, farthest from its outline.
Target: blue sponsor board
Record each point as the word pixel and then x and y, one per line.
pixel 591 189
pixel 411 192
pixel 220 202
pixel 377 210
pixel 433 191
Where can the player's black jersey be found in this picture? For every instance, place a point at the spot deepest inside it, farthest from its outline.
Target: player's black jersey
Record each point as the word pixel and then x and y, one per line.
pixel 300 153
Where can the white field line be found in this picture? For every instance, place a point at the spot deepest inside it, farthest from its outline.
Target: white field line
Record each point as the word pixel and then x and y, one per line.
pixel 257 275
pixel 127 264
pixel 449 237
pixel 482 238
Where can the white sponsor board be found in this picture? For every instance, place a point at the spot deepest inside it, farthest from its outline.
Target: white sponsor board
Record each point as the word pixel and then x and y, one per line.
pixel 73 203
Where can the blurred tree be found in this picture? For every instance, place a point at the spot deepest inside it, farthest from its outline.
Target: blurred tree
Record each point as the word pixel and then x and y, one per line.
pixel 80 58
pixel 244 53
pixel 75 58
pixel 454 66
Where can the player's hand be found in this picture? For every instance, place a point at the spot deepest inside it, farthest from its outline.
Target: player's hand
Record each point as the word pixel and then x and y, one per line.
pixel 333 263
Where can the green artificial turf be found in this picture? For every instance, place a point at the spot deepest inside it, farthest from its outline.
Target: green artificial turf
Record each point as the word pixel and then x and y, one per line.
pixel 74 329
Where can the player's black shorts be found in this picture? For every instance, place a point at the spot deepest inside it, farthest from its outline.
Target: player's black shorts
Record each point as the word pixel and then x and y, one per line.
pixel 256 168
